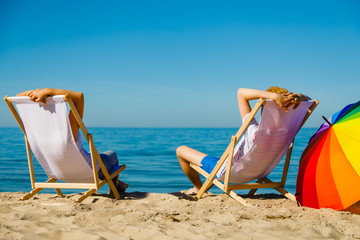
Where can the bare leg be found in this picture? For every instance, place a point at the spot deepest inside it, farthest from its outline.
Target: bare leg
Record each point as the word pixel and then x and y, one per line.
pixel 186 156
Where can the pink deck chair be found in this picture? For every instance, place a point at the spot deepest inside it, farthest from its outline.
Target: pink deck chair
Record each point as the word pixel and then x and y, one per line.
pixel 275 138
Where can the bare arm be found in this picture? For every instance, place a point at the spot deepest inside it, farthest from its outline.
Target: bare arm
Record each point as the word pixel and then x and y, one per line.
pixel 245 95
pixel 39 95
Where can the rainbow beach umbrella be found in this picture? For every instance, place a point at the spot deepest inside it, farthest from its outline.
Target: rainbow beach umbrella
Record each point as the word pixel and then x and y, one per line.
pixel 329 173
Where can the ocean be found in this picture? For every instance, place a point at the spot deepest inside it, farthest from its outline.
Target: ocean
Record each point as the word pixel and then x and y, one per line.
pixel 149 154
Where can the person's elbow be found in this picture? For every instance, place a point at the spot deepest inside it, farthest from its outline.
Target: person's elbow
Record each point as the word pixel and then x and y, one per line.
pixel 78 97
pixel 241 93
pixel 81 95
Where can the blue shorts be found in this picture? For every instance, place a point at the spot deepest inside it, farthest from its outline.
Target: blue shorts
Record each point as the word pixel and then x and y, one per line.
pixel 110 160
pixel 208 163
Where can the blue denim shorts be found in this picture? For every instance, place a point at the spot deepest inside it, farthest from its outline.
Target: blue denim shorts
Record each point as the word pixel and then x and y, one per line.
pixel 208 163
pixel 110 160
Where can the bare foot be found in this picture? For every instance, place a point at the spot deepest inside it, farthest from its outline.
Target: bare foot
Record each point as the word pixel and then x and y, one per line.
pixel 192 191
pixel 122 186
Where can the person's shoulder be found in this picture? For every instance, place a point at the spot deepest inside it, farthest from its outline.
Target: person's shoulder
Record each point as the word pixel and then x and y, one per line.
pixel 252 120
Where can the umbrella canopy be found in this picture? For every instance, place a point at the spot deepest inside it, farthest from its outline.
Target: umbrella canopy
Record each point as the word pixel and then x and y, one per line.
pixel 329 173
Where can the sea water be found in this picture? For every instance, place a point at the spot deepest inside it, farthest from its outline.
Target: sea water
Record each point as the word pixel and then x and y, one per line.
pixel 149 155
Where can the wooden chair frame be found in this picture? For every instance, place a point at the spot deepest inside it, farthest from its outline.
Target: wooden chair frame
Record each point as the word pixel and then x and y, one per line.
pixel 51 182
pixel 260 183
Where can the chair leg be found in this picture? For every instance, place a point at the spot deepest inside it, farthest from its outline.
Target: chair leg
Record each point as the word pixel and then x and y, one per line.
pixel 219 185
pixel 206 185
pixel 252 191
pixel 87 194
pixel 58 190
pixel 32 193
pixel 111 183
pixel 286 193
pixel 113 188
pixel 282 190
pixel 238 198
pixel 210 187
pixel 231 193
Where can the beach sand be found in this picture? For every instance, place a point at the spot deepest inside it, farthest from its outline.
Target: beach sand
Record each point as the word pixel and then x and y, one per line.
pixel 169 216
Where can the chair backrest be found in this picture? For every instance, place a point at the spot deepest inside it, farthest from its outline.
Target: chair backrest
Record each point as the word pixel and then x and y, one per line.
pixel 51 140
pixel 277 129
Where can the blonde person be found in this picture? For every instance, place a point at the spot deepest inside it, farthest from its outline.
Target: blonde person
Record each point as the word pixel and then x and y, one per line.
pixel 109 158
pixel 187 155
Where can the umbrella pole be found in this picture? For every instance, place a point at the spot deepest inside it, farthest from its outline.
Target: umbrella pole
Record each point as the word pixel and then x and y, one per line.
pixel 327 121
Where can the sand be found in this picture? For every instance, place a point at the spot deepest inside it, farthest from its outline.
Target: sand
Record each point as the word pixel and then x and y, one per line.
pixel 169 216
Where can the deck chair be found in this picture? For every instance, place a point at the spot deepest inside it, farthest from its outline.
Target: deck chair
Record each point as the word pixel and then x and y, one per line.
pixel 275 137
pixel 49 137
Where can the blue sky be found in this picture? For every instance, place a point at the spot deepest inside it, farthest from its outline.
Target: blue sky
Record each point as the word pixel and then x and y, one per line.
pixel 179 63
